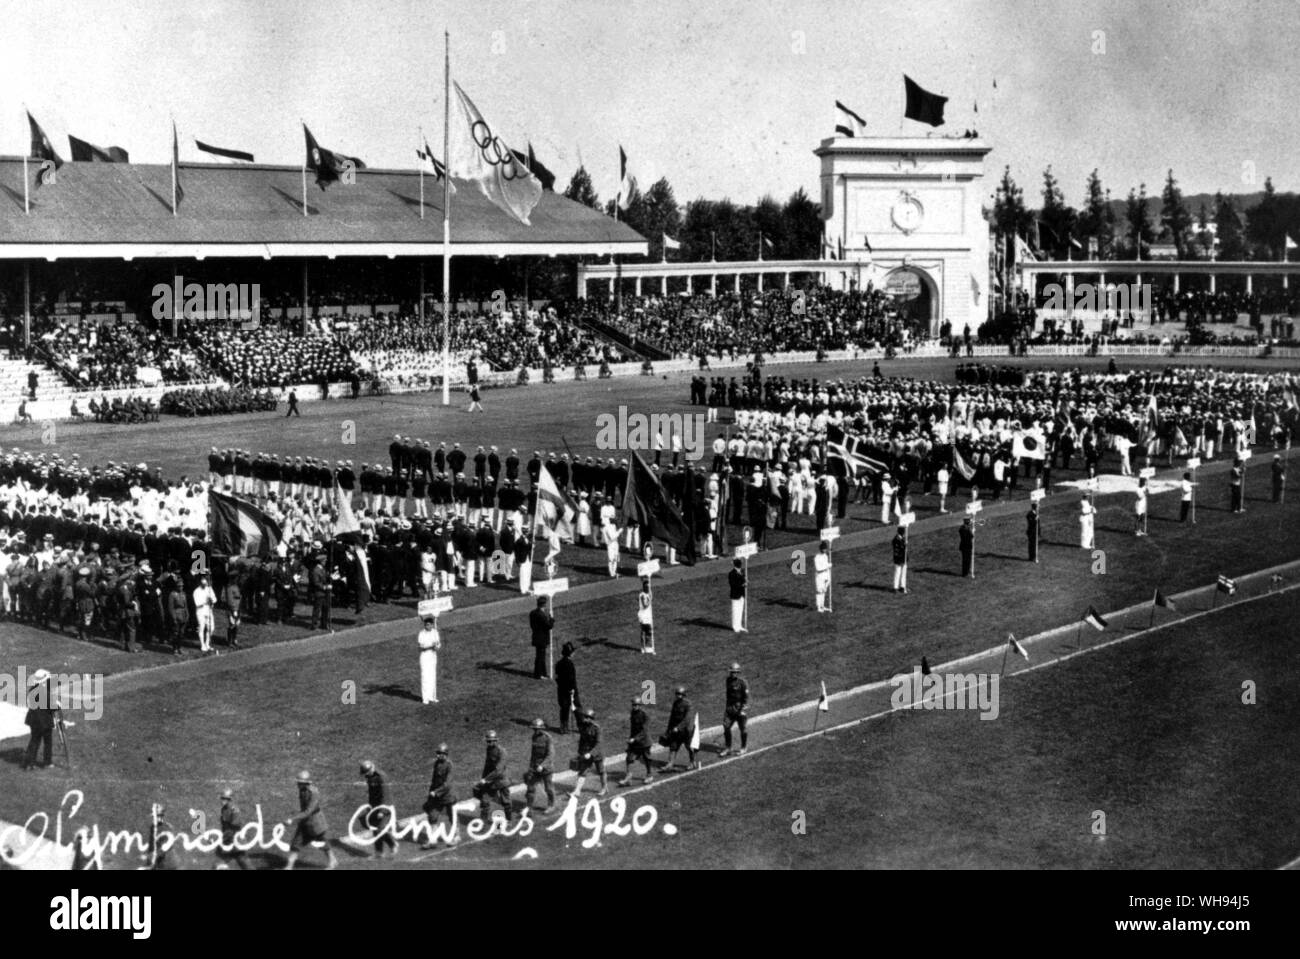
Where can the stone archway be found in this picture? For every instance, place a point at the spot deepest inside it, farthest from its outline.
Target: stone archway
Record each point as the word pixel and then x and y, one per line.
pixel 916 296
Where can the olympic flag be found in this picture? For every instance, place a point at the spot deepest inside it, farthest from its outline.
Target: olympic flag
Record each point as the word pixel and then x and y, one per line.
pixel 481 156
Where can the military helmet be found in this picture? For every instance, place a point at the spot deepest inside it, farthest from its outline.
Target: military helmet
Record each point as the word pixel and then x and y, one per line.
pixel 539 724
pixel 492 735
pixel 442 749
pixel 304 777
pixel 367 768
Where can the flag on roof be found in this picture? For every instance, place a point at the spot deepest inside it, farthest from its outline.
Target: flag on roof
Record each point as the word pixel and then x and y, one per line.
pixel 923 106
pixel 432 164
pixel 624 181
pixel 328 166
pixel 88 152
pixel 223 152
pixel 848 123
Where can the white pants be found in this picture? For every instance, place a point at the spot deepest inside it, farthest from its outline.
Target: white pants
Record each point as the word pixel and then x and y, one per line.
pixel 900 576
pixel 737 615
pixel 428 676
pixel 206 625
pixel 526 576
pixel 822 584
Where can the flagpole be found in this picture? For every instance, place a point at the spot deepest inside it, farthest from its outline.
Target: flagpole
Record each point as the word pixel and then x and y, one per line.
pixel 446 221
pixel 422 177
pixel 27 202
pixel 1153 609
pixel 175 158
pixel 1005 650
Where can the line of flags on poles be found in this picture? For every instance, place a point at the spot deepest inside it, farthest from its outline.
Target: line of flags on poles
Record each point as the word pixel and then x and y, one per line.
pixel 921 105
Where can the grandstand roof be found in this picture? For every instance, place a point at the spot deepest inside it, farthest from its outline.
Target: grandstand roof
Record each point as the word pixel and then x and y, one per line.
pixel 124 210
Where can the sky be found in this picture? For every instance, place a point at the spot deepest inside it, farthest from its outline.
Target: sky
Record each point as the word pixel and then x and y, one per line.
pixel 726 99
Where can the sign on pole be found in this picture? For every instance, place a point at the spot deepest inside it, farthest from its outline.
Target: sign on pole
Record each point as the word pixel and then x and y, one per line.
pixel 1037 495
pixel 908 518
pixel 1093 483
pixel 1243 455
pixel 746 550
pixel 648 568
pixel 830 534
pixel 1147 472
pixel 549 587
pixel 1194 463
pixel 973 508
pixel 432 607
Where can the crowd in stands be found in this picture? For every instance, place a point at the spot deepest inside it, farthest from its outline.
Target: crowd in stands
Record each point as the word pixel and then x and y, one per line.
pixel 129 409
pixel 107 357
pixel 274 356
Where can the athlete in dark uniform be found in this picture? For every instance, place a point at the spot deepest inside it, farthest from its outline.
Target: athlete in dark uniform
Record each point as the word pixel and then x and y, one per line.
pixel 540 767
pixel 638 743
pixel 737 702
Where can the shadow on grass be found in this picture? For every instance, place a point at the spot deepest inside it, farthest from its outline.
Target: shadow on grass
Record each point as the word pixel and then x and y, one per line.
pixel 392 689
pixel 504 667
pixel 610 644
pixel 787 603
pixel 704 623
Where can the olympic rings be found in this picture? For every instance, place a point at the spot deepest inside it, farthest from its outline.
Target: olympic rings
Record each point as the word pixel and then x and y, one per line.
pixel 494 150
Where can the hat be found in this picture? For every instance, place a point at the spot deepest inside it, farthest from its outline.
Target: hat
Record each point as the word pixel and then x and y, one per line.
pixel 367 768
pixel 227 793
pixel 304 777
pixel 492 735
pixel 735 667
pixel 40 676
pixel 442 749
pixel 589 713
pixel 681 690
pixel 567 649
pixel 539 724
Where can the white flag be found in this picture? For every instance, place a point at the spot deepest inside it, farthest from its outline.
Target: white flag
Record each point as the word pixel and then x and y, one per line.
pixel 695 734
pixel 480 155
pixel 671 244
pixel 1290 243
pixel 555 510
pixel 824 703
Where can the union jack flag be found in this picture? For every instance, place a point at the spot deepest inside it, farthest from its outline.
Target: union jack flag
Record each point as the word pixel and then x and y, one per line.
pixel 851 452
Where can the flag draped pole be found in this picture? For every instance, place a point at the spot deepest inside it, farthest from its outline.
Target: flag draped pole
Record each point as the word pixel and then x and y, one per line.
pixel 446 222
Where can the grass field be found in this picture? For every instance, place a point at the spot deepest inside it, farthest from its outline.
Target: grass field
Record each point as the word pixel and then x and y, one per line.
pixel 182 741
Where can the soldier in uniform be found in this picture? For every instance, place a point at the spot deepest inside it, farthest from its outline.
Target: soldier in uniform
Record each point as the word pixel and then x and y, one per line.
pixel 680 731
pixel 379 815
pixel 231 822
pixel 589 753
pixel 540 767
pixel 737 584
pixel 566 685
pixel 309 824
pixel 1235 477
pixel 493 784
pixel 638 743
pixel 734 714
pixel 440 799
pixel 966 546
pixel 1031 531
pixel 541 622
pixel 319 587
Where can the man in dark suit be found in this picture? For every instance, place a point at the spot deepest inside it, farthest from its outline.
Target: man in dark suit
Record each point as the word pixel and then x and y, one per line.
pixel 566 685
pixel 42 707
pixel 541 622
pixel 966 537
pixel 1031 531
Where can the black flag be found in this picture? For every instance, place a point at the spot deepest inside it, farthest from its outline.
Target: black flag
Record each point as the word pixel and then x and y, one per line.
pixel 84 151
pixel 326 164
pixel 645 502
pixel 922 105
pixel 222 152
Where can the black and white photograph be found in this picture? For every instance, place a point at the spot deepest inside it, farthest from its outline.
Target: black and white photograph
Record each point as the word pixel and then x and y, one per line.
pixel 534 435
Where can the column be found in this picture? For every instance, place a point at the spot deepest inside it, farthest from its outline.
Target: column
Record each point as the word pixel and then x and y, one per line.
pixel 582 282
pixel 1212 282
pixel 638 286
pixel 663 285
pixel 1104 299
pixel 1177 284
pixel 760 282
pixel 1250 286
pixel 735 283
pixel 713 284
pixel 305 308
pixel 785 281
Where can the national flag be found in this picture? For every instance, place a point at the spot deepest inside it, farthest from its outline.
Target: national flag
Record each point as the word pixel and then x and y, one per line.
pixel 555 510
pixel 1180 439
pixel 824 702
pixel 1093 619
pixel 1290 243
pixel 326 164
pixel 84 151
pixel 1016 647
pixel 238 528
pixel 1027 445
pixel 624 181
pixel 848 123
pixel 671 244
pixel 434 165
pixel 867 243
pixel 223 152
pixel 964 469
pixel 178 192
pixel 1226 585
pixel 1023 253
pixel 922 105
pixel 848 453
pixel 346 528
pixel 1164 601
pixel 695 734
pixel 544 176
pixel 1075 243
pixel 481 156
pixel 42 148
pixel 645 502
